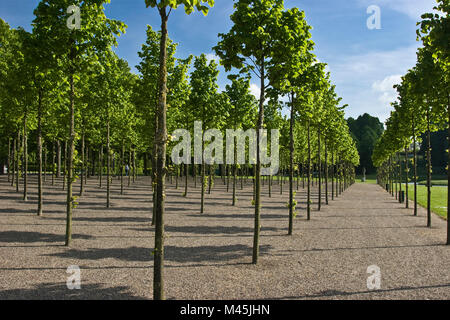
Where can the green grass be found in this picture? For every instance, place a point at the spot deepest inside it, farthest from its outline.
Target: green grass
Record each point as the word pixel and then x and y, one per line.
pixel 435 182
pixel 438 198
pixel 370 179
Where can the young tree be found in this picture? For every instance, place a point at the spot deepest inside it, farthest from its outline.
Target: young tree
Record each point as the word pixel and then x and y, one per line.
pixel 164 7
pixel 71 46
pixel 248 46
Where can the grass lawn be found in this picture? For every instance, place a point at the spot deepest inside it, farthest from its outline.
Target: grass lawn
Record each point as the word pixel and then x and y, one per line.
pixel 370 178
pixel 438 198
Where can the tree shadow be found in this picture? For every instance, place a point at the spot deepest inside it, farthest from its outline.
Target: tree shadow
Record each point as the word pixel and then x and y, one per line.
pixel 172 253
pixel 30 237
pixel 336 293
pixel 215 229
pixel 241 216
pixel 15 210
pixel 203 254
pixel 104 219
pixel 52 291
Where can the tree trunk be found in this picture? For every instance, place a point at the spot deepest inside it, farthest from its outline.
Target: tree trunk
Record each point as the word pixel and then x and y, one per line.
pixel 428 170
pixel 308 198
pixel 13 163
pixel 319 171
pixel 17 161
pixel 100 166
pixel 53 162
pixel 326 172
pixel 9 160
pixel 291 168
pixel 65 164
pixel 448 171
pixel 122 165
pixel 332 174
pixel 161 140
pixel 69 168
pixel 406 177
pixel 108 164
pixel 186 177
pixel 234 174
pixel 82 165
pixel 129 168
pixel 58 157
pixel 25 158
pixel 257 226
pixel 204 181
pixel 39 155
pixel 45 149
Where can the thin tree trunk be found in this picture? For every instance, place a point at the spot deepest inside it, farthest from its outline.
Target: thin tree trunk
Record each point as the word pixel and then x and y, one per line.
pixel 326 172
pixel 65 165
pixel 9 160
pixel 308 199
pixel 122 164
pixel 39 155
pixel 291 167
pixel 257 226
pixel 203 169
pixel 108 165
pixel 100 163
pixel 53 163
pixel 406 178
pixel 25 158
pixel 44 148
pixel 69 168
pixel 13 163
pixel 234 174
pixel 332 175
pixel 17 161
pixel 134 166
pixel 129 168
pixel 186 176
pixel 161 140
pixel 448 171
pixel 82 165
pixel 428 170
pixel 58 150
pixel 319 171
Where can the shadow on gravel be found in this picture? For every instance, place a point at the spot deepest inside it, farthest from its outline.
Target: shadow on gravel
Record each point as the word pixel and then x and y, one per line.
pixel 215 229
pixel 14 210
pixel 241 216
pixel 104 219
pixel 172 253
pixel 335 293
pixel 30 237
pixel 51 291
pixel 367 248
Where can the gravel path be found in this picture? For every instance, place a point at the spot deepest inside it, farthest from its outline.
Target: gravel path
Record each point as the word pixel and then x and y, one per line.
pixel 208 256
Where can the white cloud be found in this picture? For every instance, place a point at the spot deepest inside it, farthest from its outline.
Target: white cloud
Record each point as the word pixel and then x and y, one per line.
pixel 385 89
pixel 211 56
pixel 365 81
pixel 255 90
pixel 412 8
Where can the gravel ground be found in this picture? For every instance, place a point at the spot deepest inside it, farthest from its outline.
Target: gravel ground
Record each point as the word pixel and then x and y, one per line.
pixel 208 256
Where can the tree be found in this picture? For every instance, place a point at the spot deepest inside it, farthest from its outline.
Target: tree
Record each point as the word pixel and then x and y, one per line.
pixel 164 8
pixel 71 46
pixel 248 46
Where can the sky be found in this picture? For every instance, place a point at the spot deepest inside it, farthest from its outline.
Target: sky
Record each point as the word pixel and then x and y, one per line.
pixel 364 63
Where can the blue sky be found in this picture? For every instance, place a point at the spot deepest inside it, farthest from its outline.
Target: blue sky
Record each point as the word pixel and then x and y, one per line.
pixel 364 64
